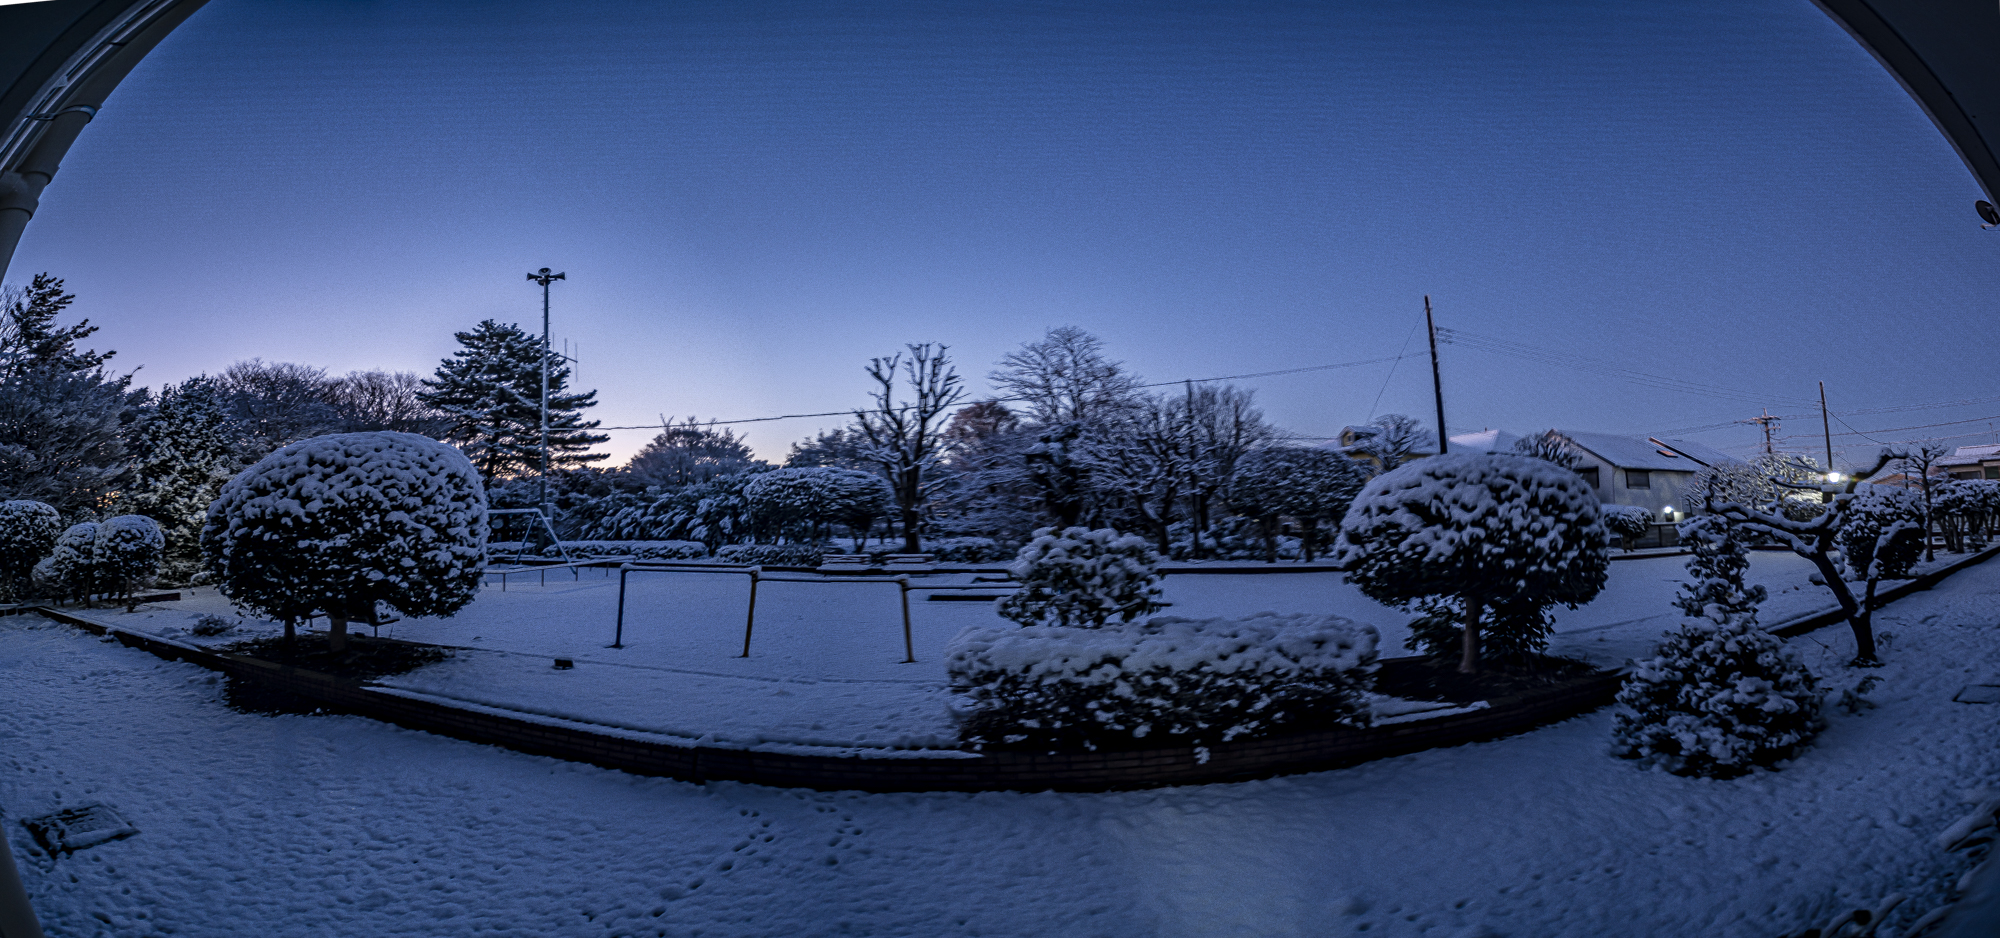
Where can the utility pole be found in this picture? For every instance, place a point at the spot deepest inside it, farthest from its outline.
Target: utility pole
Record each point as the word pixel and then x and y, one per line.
pixel 545 278
pixel 1767 422
pixel 1824 427
pixel 1437 380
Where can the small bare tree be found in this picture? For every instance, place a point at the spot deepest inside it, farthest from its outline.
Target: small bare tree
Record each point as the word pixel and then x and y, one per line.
pixel 1921 461
pixel 1066 378
pixel 1815 539
pixel 1397 439
pixel 905 439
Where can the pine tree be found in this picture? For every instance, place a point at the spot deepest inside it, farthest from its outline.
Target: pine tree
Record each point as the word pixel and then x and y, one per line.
pixel 60 414
pixel 184 447
pixel 30 338
pixel 490 393
pixel 1721 695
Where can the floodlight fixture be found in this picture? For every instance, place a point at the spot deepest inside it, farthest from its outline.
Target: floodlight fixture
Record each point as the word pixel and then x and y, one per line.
pixel 1987 214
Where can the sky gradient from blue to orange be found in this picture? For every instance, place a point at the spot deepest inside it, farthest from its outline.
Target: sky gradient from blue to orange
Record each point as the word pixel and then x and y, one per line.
pixel 752 199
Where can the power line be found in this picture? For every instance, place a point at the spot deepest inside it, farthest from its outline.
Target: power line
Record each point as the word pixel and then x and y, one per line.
pixel 1547 356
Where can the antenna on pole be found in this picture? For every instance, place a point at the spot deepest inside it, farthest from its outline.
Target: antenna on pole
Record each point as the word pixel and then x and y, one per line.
pixel 1437 380
pixel 544 277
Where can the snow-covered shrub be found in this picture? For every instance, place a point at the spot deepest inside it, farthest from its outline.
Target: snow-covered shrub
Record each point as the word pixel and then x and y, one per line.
pixel 1491 531
pixel 1965 509
pixel 1160 682
pixel 1882 534
pixel 1626 522
pixel 801 499
pixel 338 524
pixel 28 531
pixel 208 624
pixel 965 550
pixel 1083 577
pixel 641 550
pixel 1721 695
pixel 71 568
pixel 1309 484
pixel 773 555
pixel 128 552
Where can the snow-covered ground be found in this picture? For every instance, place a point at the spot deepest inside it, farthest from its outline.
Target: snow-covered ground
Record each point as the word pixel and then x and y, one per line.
pixel 292 825
pixel 826 664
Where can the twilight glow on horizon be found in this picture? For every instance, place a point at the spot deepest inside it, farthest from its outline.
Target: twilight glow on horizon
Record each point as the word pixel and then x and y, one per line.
pixel 750 200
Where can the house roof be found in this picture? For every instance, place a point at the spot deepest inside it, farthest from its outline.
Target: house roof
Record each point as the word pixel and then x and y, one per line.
pixel 1971 455
pixel 1485 441
pixel 1632 452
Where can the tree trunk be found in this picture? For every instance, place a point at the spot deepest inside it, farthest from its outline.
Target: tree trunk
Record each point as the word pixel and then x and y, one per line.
pixel 1308 538
pixel 1270 525
pixel 291 631
pixel 1857 616
pixel 910 525
pixel 336 634
pixel 1468 662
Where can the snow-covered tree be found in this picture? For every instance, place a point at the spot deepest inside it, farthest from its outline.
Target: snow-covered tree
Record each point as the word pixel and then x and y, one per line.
pixel 272 404
pixel 184 447
pixel 1145 462
pixel 1395 439
pixel 1628 522
pixel 490 393
pixel 1065 378
pixel 127 554
pixel 28 531
pixel 32 341
pixel 1224 425
pixel 1721 695
pixel 1550 445
pixel 689 452
pixel 385 400
pixel 71 567
pixel 1881 534
pixel 903 436
pixel 1792 482
pixel 1814 538
pixel 1083 578
pixel 1307 483
pixel 1490 531
pixel 1920 463
pixel 62 439
pixel 338 524
pixel 1964 509
pixel 804 500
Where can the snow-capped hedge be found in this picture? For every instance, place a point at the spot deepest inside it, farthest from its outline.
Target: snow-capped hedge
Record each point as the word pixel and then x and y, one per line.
pixel 28 531
pixel 1083 577
pixel 1882 534
pixel 1160 682
pixel 1721 695
pixel 643 550
pixel 1626 521
pixel 342 522
pixel 127 552
pixel 773 555
pixel 71 568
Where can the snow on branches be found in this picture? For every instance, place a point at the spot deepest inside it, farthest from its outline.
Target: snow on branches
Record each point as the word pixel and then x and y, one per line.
pixel 1882 534
pixel 1626 522
pixel 28 531
pixel 127 553
pixel 1721 695
pixel 1309 484
pixel 1164 681
pixel 1083 578
pixel 336 524
pixel 1483 530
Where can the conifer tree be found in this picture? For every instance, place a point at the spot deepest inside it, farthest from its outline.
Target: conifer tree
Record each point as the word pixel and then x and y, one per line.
pixel 490 395
pixel 30 338
pixel 184 447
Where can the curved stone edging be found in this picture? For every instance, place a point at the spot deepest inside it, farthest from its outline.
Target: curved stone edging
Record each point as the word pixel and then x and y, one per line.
pixel 888 770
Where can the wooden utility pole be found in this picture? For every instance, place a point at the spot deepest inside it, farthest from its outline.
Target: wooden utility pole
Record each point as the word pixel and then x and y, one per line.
pixel 1437 380
pixel 1766 421
pixel 1824 427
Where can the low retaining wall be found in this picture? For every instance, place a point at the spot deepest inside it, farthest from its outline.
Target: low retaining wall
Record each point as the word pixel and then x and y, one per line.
pixel 885 770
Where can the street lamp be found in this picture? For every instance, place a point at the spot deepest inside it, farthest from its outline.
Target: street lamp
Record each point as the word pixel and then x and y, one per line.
pixel 544 277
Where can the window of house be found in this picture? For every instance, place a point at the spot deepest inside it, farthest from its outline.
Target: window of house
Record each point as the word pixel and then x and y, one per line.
pixel 1638 479
pixel 1589 474
pixel 1993 472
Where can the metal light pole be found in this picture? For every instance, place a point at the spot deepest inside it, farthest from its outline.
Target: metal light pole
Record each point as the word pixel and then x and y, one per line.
pixel 545 278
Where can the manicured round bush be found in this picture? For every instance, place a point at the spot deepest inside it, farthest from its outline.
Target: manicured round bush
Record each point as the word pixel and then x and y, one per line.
pixel 1626 522
pixel 1882 534
pixel 1486 531
pixel 128 551
pixel 72 564
pixel 28 531
pixel 1083 578
pixel 337 524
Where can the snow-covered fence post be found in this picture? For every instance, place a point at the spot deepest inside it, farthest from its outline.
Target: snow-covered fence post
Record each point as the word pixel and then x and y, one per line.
pixel 28 531
pixel 337 524
pixel 1488 529
pixel 127 554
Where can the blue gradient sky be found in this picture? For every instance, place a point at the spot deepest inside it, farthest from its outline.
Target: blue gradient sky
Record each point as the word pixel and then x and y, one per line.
pixel 753 198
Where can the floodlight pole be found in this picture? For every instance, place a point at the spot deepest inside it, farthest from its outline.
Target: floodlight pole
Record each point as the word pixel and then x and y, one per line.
pixel 544 277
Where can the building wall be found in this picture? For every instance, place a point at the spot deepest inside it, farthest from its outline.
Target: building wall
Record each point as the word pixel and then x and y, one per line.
pixel 1667 487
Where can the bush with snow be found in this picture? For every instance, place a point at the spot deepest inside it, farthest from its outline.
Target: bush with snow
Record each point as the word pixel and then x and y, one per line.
pixel 127 553
pixel 1882 534
pixel 773 555
pixel 1965 509
pixel 28 531
pixel 1721 695
pixel 804 499
pixel 641 550
pixel 965 550
pixel 1626 522
pixel 338 524
pixel 71 568
pixel 1481 530
pixel 1083 578
pixel 1164 681
pixel 1309 484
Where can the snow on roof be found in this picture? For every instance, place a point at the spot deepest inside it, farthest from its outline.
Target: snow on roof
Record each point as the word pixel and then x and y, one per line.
pixel 1971 455
pixel 1699 452
pixel 1485 441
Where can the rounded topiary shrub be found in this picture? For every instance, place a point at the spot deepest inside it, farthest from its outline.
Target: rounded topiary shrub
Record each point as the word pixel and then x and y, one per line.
pixel 1083 578
pixel 127 553
pixel 71 568
pixel 1882 534
pixel 1721 695
pixel 1476 533
pixel 336 524
pixel 1626 522
pixel 28 531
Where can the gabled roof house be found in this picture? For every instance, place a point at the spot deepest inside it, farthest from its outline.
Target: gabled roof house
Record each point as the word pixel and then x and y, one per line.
pixel 1647 472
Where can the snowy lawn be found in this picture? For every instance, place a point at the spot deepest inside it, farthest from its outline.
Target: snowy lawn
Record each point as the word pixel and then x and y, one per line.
pixel 292 825
pixel 826 664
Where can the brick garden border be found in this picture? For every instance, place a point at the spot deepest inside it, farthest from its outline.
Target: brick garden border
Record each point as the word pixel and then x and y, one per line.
pixel 882 770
